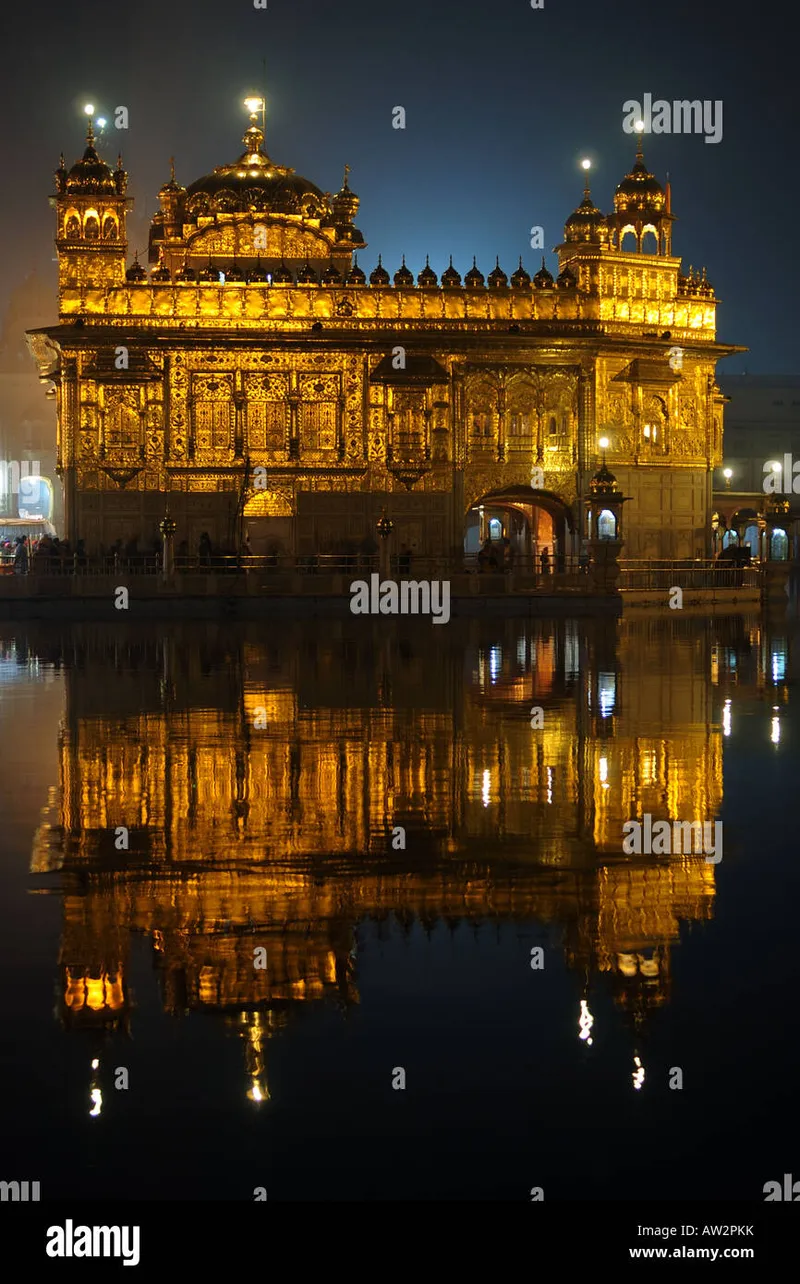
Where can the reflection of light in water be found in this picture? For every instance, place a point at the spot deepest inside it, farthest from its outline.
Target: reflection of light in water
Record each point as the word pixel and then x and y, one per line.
pixel 95 1064
pixel 638 1074
pixel 487 788
pixel 775 734
pixel 586 1022
pixel 606 693
pixel 571 654
pixel 549 784
pixel 604 772
pixel 97 1098
pixel 521 652
pixel 778 666
pixel 726 719
pixel 495 662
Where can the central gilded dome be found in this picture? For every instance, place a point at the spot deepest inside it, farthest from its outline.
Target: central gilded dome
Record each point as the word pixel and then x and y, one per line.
pixel 254 183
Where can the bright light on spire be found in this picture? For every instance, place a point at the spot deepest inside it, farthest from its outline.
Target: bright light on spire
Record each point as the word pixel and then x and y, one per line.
pixel 89 109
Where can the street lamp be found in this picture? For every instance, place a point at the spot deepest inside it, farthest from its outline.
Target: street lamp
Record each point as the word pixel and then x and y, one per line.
pixel 604 444
pixel 727 473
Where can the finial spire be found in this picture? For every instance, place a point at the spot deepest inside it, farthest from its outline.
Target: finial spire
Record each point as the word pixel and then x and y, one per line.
pixel 346 172
pixel 172 169
pixel 89 134
pixel 639 151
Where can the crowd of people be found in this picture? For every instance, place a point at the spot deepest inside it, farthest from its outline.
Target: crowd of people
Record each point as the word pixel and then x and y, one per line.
pixel 47 554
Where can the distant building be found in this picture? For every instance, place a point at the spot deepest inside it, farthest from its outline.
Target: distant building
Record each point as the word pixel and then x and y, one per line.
pixel 256 377
pixel 762 428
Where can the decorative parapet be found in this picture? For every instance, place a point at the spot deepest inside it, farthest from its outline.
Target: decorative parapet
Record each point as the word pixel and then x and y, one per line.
pixel 295 307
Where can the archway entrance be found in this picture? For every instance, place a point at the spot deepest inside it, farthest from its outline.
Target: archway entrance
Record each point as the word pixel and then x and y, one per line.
pixel 267 522
pixel 532 521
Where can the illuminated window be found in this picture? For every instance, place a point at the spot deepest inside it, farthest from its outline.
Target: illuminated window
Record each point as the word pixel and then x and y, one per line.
pixel 606 525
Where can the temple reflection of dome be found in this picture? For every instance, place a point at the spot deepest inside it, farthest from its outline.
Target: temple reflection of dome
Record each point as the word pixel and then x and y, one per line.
pixel 255 1034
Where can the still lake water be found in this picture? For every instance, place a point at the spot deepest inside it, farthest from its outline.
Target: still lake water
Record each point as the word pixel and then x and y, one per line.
pixel 260 772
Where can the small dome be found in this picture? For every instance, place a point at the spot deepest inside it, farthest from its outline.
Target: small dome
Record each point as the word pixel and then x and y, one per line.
pixel 379 275
pixel 185 273
pixel 603 482
pixel 640 190
pixel 520 279
pixel 208 273
pixel 345 203
pixel 307 275
pixel 543 280
pixel 427 277
pixel 474 279
pixel 403 276
pixel 451 279
pixel 234 273
pixel 587 222
pixel 171 189
pixel 282 275
pixel 161 273
pixel 497 277
pixel 355 276
pixel 90 176
pixel 331 275
pixel 258 272
pixel 136 272
pixel 567 280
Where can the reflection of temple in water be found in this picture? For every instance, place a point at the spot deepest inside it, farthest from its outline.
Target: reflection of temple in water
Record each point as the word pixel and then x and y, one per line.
pixel 259 775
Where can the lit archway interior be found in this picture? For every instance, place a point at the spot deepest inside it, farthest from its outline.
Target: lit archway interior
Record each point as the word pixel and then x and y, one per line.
pixel 530 520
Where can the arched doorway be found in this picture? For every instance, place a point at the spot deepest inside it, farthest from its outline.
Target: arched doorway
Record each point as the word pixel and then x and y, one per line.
pixel 267 522
pixel 531 521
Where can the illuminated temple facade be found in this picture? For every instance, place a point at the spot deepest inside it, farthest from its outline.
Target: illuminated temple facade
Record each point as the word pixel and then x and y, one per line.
pixel 256 379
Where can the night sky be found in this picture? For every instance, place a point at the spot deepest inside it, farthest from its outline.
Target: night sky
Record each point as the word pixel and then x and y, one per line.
pixel 502 102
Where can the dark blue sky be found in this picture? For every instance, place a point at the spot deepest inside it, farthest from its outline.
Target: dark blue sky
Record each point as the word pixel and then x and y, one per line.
pixel 502 101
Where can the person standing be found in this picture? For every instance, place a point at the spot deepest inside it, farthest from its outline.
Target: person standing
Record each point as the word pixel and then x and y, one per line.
pixel 21 556
pixel 544 558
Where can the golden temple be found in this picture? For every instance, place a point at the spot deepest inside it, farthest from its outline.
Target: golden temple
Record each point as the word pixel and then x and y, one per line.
pixel 281 839
pixel 257 379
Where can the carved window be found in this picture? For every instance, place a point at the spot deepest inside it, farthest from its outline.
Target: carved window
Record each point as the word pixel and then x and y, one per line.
pixel 480 424
pixel 266 425
pixel 552 426
pixel 409 423
pixel 122 422
pixel 91 227
pixel 318 425
pixel 73 228
pixel 519 424
pixel 212 424
pixel 109 228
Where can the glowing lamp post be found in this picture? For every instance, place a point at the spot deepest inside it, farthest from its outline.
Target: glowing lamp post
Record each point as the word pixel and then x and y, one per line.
pixel 727 473
pixel 384 527
pixel 167 528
